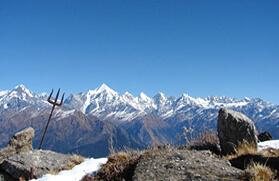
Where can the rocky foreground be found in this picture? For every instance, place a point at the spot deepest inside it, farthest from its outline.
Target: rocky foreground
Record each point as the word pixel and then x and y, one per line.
pixel 174 164
pixel 162 163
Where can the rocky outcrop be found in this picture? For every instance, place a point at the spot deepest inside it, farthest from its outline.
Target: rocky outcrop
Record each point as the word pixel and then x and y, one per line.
pixel 18 157
pixel 234 128
pixel 243 161
pixel 19 143
pixel 174 164
pixel 265 136
pixel 42 161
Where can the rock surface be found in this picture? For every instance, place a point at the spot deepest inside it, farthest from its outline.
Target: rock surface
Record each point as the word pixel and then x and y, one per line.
pixel 19 143
pixel 265 136
pixel 174 164
pixel 234 128
pixel 42 161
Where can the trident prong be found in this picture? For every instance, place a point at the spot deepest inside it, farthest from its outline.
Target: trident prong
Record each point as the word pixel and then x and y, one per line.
pixel 56 98
pixel 54 103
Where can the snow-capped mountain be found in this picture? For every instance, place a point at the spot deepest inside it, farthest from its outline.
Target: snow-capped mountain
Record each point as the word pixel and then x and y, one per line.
pixel 103 102
pixel 142 120
pixel 107 104
pixel 21 97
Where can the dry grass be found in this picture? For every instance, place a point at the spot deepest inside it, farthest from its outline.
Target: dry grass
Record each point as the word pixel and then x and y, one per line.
pixel 54 172
pixel 121 166
pixel 259 172
pixel 78 159
pixel 118 167
pixel 188 135
pixel 207 137
pixel 259 163
pixel 204 140
pixel 21 179
pixel 243 148
pixel 270 152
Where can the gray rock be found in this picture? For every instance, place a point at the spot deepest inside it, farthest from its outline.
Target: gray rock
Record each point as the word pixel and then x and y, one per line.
pixel 184 165
pixel 234 128
pixel 6 177
pixel 19 143
pixel 43 162
pixel 265 136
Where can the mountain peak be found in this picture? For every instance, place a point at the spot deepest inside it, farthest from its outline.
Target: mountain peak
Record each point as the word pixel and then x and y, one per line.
pixel 160 95
pixel 127 94
pixel 105 88
pixel 143 96
pixel 102 90
pixel 20 89
pixel 21 86
pixel 186 95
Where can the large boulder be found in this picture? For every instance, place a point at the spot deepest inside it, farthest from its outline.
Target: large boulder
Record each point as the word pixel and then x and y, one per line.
pixel 42 161
pixel 19 143
pixel 234 128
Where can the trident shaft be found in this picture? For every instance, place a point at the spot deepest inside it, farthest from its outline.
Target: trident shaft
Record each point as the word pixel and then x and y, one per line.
pixel 54 103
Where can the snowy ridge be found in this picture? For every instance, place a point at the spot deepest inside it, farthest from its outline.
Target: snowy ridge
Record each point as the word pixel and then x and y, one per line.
pixel 107 104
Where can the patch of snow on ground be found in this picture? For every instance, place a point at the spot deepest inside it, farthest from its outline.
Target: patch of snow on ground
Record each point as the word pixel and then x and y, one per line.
pixel 87 167
pixel 268 144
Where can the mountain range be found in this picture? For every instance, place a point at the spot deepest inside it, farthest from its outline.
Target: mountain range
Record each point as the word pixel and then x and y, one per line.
pixel 90 123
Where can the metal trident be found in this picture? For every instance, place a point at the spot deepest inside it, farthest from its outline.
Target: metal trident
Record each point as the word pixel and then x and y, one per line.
pixel 54 103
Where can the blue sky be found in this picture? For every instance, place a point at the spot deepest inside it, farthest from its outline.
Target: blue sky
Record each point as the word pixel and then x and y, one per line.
pixel 202 48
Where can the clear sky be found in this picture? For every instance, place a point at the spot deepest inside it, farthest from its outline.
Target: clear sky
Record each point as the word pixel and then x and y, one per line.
pixel 198 47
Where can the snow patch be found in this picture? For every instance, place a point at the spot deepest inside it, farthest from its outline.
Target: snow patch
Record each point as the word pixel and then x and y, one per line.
pixel 87 102
pixel 63 114
pixel 268 144
pixel 6 106
pixel 87 167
